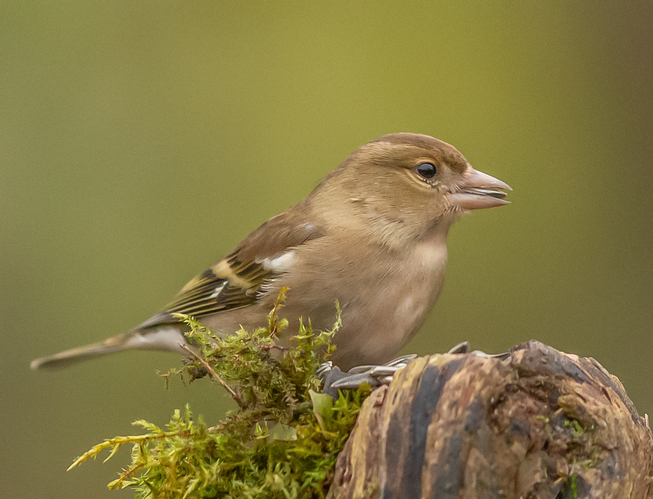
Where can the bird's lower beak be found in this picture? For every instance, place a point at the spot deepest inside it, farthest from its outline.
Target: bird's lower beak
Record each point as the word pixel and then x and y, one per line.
pixel 479 190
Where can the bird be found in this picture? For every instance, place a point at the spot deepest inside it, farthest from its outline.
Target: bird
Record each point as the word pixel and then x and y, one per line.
pixel 371 236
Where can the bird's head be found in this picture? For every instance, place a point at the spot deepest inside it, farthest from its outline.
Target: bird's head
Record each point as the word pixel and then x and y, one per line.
pixel 407 185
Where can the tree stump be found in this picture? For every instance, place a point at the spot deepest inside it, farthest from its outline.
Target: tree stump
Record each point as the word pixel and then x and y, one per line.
pixel 539 424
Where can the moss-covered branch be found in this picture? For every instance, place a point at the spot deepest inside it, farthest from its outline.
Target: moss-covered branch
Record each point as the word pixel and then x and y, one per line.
pixel 536 423
pixel 281 443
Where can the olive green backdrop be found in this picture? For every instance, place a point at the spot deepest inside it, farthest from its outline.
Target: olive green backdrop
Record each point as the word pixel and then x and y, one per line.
pixel 141 140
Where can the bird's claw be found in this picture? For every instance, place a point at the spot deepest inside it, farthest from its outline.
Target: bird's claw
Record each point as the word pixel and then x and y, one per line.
pixel 324 369
pixel 375 376
pixel 500 356
pixel 399 361
pixel 464 347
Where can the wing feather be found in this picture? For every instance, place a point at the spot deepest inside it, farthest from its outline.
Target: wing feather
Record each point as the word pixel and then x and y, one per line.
pixel 236 280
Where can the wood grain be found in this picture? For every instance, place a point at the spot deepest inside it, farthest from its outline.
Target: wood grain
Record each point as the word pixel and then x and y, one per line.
pixel 539 424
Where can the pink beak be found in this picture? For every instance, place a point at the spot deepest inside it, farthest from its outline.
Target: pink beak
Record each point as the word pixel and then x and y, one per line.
pixel 479 190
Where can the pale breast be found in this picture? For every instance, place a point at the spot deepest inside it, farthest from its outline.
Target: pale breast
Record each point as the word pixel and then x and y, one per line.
pixel 391 306
pixel 422 279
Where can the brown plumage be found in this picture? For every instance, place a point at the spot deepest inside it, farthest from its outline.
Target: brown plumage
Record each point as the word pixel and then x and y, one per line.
pixel 371 235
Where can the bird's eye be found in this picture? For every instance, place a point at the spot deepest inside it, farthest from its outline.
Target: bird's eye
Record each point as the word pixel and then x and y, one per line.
pixel 426 170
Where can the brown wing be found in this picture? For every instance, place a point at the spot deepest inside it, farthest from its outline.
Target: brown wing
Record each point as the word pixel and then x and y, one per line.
pixel 235 280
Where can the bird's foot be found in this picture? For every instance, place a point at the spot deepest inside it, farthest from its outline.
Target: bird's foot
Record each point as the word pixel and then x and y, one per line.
pixel 375 376
pixel 335 379
pixel 464 347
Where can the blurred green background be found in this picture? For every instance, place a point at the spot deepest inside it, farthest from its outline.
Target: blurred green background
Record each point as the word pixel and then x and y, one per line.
pixel 140 141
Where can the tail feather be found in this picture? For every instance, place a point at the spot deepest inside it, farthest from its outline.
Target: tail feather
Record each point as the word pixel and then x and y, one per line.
pixel 162 338
pixel 86 352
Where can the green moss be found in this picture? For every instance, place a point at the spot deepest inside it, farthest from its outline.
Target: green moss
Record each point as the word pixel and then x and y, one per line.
pixel 281 443
pixel 577 430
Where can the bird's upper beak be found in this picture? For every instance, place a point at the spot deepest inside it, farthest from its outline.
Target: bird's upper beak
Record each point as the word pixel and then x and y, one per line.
pixel 479 190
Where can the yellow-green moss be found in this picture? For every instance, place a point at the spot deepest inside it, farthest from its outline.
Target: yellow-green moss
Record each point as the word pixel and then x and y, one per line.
pixel 281 443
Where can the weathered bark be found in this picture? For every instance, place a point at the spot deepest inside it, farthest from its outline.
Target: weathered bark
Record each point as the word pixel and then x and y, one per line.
pixel 540 424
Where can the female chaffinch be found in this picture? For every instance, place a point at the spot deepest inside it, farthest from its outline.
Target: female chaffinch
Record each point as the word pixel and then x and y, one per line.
pixel 371 235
